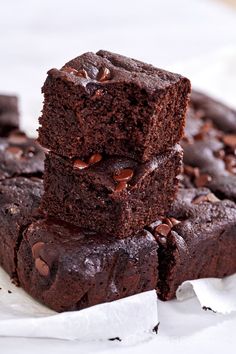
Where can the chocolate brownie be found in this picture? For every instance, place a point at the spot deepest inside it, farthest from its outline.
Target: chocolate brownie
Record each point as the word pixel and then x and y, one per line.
pixel 9 114
pixel 115 195
pixel 210 147
pixel 20 156
pixel 108 103
pixel 19 201
pixel 67 268
pixel 196 240
pixel 221 115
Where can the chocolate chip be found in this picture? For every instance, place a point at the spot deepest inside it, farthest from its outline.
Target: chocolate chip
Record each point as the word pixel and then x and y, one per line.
pixel 191 171
pixel 200 199
pixel 206 127
pixel 188 140
pixel 121 186
pixel 220 154
pixel 200 113
pixel 82 73
pixel 98 93
pixel 174 221
pixel 230 140
pixel 163 230
pixel 15 150
pixel 95 158
pixel 104 74
pixel 212 198
pixel 202 180
pixel 79 164
pixel 230 163
pixel 36 249
pixel 168 222
pixel 70 70
pixel 199 136
pixel 124 175
pixel 42 267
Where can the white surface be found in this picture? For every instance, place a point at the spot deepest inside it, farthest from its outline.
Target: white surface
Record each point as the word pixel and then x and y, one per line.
pixel 219 295
pixel 36 35
pixel 130 319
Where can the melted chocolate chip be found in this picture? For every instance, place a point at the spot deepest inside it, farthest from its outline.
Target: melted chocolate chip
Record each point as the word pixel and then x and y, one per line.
pixel 202 180
pixel 98 93
pixel 95 158
pixel 220 154
pixel 104 74
pixel 121 186
pixel 230 163
pixel 80 73
pixel 199 136
pixel 36 249
pixel 230 140
pixel 212 198
pixel 163 230
pixel 124 175
pixel 200 199
pixel 207 126
pixel 70 70
pixel 191 171
pixel 168 222
pixel 174 221
pixel 80 165
pixel 42 267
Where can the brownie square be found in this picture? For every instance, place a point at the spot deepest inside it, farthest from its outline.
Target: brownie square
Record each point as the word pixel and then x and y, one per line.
pixel 20 156
pixel 197 240
pixel 108 103
pixel 223 116
pixel 114 195
pixel 67 268
pixel 210 147
pixel 19 201
pixel 9 114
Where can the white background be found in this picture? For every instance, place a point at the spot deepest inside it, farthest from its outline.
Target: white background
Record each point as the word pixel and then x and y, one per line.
pixel 36 35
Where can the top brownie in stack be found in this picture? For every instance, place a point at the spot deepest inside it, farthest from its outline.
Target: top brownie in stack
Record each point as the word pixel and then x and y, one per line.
pixel 107 103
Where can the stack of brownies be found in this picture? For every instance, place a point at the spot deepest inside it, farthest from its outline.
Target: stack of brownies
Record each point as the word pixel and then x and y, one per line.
pixel 111 125
pixel 110 224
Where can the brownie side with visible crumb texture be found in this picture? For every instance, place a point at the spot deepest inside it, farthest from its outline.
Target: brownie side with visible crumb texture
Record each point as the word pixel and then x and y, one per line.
pixel 9 114
pixel 210 147
pixel 19 202
pixel 67 268
pixel 108 103
pixel 115 195
pixel 196 240
pixel 20 156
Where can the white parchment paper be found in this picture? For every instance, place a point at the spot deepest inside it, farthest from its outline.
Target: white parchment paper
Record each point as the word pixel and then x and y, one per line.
pixel 218 295
pixel 21 316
